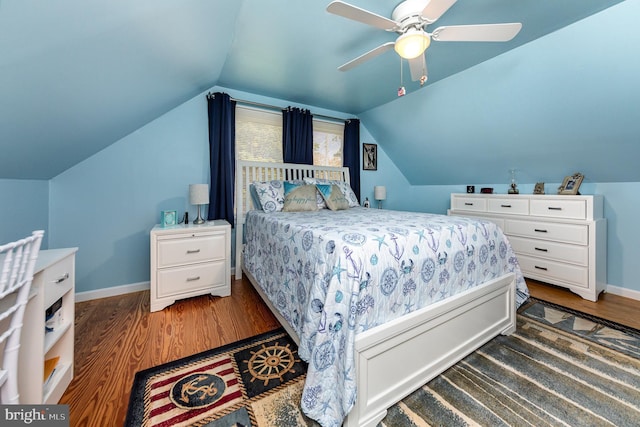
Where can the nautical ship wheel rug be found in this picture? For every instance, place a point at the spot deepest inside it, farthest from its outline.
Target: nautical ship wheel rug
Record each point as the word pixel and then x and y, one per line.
pixel 253 382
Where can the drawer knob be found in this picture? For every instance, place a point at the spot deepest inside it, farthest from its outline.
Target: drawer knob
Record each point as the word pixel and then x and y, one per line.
pixel 541 268
pixel 193 251
pixel 505 206
pixel 468 204
pixel 62 278
pixel 552 208
pixel 541 249
pixel 539 230
pixel 193 279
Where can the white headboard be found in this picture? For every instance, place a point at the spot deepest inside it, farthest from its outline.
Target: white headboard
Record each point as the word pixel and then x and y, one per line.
pixel 248 172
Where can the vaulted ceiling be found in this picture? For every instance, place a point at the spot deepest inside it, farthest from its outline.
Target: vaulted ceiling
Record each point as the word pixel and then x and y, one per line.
pixel 78 75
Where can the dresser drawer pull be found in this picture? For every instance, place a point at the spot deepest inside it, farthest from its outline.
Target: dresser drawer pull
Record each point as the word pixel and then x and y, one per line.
pixel 505 206
pixel 541 268
pixel 62 278
pixel 551 208
pixel 193 251
pixel 541 249
pixel 539 230
pixel 468 204
pixel 193 279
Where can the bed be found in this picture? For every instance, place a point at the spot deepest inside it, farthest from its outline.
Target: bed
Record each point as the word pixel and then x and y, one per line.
pixel 379 302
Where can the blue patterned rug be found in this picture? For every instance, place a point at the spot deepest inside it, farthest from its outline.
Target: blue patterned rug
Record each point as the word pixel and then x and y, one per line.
pixel 560 368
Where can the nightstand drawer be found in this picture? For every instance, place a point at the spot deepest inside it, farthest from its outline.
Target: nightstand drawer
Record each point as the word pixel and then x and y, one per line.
pixel 566 209
pixel 190 248
pixel 179 280
pixel 508 206
pixel 573 254
pixel 567 233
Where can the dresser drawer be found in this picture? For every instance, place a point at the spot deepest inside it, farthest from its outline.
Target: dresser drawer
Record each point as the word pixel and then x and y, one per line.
pixel 562 252
pixel 566 233
pixel 553 272
pixel 566 209
pixel 474 204
pixel 178 280
pixel 508 206
pixel 184 249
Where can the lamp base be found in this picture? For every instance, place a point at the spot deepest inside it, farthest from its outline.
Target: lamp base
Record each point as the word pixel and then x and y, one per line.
pixel 199 219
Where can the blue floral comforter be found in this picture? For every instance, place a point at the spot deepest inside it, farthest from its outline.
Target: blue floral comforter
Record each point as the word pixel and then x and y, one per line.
pixel 332 274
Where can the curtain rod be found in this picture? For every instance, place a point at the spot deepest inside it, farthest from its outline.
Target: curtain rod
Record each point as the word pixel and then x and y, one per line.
pixel 275 107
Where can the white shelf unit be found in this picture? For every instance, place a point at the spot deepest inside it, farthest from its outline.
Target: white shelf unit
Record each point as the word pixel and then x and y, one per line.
pixel 189 260
pixel 558 239
pixel 54 278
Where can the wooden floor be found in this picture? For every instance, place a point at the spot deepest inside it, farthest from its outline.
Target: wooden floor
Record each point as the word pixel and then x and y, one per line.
pixel 118 336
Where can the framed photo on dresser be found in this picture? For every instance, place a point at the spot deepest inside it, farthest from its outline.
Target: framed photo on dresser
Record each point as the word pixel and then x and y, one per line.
pixel 571 184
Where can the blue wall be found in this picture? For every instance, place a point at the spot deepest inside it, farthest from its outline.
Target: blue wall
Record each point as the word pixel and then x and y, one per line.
pixel 24 207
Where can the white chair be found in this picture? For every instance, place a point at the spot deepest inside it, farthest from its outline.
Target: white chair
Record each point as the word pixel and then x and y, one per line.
pixel 18 260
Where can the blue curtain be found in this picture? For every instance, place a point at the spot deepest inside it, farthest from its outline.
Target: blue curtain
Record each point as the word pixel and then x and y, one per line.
pixel 351 152
pixel 297 136
pixel 222 158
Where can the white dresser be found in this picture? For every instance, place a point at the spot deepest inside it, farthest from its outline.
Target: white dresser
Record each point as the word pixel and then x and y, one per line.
pixel 558 239
pixel 190 260
pixel 53 286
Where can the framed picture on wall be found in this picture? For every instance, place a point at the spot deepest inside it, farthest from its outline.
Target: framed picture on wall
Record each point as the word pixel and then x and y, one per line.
pixel 369 157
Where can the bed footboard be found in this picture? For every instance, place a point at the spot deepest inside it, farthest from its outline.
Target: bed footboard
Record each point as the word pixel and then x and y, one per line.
pixel 397 358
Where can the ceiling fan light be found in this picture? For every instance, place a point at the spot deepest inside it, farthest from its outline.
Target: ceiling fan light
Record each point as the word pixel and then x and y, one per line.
pixel 412 44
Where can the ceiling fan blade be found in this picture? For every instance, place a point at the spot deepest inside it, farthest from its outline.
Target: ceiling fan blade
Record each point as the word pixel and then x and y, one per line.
pixel 477 33
pixel 418 67
pixel 357 14
pixel 366 56
pixel 435 9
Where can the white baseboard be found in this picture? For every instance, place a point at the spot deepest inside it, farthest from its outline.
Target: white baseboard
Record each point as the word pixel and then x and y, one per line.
pixel 623 292
pixel 111 292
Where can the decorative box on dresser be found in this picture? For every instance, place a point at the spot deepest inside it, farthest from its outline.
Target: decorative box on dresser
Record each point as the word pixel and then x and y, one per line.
pixel 53 288
pixel 190 260
pixel 558 239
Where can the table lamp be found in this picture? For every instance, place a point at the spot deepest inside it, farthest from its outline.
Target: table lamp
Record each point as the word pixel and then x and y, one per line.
pixel 199 195
pixel 380 194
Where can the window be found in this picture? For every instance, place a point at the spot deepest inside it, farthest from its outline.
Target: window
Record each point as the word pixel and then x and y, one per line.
pixel 259 137
pixel 327 143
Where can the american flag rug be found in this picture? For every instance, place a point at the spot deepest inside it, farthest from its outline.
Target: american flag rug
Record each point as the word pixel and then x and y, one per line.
pixel 252 382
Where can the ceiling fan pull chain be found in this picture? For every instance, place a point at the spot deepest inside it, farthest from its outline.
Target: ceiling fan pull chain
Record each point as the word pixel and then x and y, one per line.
pixel 401 89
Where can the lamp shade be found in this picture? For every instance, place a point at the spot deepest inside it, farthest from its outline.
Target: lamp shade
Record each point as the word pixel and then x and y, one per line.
pixel 199 194
pixel 412 43
pixel 379 192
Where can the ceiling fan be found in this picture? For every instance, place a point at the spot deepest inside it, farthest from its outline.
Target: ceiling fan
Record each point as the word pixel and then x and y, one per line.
pixel 410 19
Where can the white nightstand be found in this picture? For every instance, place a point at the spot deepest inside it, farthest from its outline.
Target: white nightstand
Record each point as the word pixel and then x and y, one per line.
pixel 190 260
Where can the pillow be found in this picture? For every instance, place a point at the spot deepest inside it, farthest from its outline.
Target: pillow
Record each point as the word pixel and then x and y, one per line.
pixel 270 195
pixel 343 186
pixel 333 196
pixel 299 197
pixel 254 197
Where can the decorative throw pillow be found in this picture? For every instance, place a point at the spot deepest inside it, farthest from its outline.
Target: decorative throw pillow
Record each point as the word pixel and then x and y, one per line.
pixel 344 187
pixel 333 196
pixel 299 197
pixel 255 200
pixel 270 195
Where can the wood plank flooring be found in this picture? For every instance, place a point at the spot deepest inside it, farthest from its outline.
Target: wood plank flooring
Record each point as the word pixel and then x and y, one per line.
pixel 118 336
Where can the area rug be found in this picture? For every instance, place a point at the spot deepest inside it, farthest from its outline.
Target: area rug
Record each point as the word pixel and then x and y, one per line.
pixel 560 368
